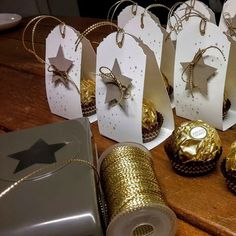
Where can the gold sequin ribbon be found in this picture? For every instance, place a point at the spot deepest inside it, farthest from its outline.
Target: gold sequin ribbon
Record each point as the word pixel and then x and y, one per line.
pixel 51 68
pixel 109 78
pixel 229 23
pixel 190 67
pixel 129 182
pixel 53 166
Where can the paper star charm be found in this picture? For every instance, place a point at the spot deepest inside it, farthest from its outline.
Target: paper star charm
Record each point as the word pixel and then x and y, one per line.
pixel 39 152
pixel 198 74
pixel 231 24
pixel 60 67
pixel 118 85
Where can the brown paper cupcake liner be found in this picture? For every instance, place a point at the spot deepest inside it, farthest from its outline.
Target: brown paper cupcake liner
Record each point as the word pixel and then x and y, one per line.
pixel 191 168
pixel 149 135
pixel 230 177
pixel 170 90
pixel 89 109
pixel 226 108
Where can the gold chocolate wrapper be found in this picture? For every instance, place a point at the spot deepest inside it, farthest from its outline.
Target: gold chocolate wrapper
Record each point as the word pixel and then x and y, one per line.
pixel 196 141
pixel 87 91
pixel 149 114
pixel 230 164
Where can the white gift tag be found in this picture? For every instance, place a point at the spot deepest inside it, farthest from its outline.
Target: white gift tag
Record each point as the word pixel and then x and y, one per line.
pixel 207 107
pixel 156 39
pixel 126 15
pixel 228 11
pixel 137 63
pixel 199 7
pixel 64 98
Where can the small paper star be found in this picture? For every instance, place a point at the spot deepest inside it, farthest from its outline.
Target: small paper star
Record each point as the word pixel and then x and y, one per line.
pixel 200 75
pixel 232 32
pixel 62 64
pixel 40 152
pixel 114 93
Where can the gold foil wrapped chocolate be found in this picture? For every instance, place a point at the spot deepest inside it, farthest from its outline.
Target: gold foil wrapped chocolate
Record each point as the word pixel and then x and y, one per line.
pixel 87 91
pixel 149 114
pixel 230 164
pixel 196 141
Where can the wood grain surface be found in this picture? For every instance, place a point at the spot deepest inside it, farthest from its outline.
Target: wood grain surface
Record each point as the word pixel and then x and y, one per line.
pixel 203 205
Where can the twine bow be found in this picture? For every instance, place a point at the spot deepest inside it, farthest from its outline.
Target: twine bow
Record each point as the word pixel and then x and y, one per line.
pixel 230 24
pixel 59 75
pixel 193 82
pixel 117 88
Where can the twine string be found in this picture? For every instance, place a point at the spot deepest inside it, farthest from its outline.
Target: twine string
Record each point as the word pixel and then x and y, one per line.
pixel 229 23
pixel 106 73
pixel 120 31
pixel 51 68
pixel 190 67
pixel 155 5
pixel 189 12
pixel 117 4
pixel 53 166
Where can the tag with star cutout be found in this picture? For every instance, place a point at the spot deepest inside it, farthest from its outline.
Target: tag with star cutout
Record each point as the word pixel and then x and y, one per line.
pixel 197 75
pixel 204 72
pixel 65 68
pixel 124 79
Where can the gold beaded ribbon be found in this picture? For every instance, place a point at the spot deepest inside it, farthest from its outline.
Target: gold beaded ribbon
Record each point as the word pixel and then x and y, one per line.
pixel 129 181
pixel 190 13
pixel 50 167
pixel 64 76
pixel 229 23
pixel 117 4
pixel 109 78
pixel 190 67
pixel 120 33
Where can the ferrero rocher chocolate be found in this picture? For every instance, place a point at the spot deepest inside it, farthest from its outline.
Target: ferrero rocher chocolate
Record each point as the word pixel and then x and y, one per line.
pixel 194 149
pixel 196 141
pixel 228 167
pixel 87 93
pixel 151 121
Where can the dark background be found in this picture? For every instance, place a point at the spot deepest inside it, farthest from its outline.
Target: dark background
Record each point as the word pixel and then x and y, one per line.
pixel 100 8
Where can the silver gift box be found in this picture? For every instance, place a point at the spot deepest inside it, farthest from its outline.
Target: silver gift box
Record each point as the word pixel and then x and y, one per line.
pixel 58 200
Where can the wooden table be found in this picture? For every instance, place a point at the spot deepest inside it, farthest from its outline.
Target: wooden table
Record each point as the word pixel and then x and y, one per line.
pixel 201 204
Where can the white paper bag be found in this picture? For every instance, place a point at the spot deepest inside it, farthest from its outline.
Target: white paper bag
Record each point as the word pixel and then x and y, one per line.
pixel 207 107
pixel 136 62
pixel 64 99
pixel 155 37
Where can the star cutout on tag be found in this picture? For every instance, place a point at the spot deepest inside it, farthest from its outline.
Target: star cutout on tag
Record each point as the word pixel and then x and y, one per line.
pixel 61 66
pixel 115 93
pixel 39 152
pixel 200 74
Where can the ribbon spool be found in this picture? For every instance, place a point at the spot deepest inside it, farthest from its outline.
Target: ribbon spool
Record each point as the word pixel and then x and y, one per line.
pixel 135 203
